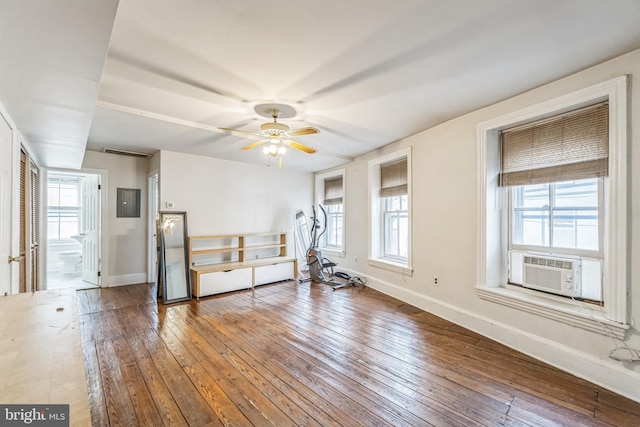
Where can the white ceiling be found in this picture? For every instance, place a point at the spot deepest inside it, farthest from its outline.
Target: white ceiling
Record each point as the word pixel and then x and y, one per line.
pixel 364 72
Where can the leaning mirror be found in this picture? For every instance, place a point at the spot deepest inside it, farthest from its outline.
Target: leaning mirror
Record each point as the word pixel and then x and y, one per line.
pixel 174 270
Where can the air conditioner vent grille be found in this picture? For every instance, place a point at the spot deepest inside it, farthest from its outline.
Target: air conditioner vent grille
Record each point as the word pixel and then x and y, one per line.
pixel 127 153
pixel 555 275
pixel 557 263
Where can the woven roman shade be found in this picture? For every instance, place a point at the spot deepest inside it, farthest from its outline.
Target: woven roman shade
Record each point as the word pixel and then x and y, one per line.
pixel 393 178
pixel 567 147
pixel 333 190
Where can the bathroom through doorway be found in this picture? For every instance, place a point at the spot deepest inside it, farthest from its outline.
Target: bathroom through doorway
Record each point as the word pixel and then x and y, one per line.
pixel 73 230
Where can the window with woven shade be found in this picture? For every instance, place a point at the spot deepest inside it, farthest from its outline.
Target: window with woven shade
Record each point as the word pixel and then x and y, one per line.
pixel 333 192
pixel 571 146
pixel 562 204
pixel 330 195
pixel 393 178
pixel 390 210
pixel 553 169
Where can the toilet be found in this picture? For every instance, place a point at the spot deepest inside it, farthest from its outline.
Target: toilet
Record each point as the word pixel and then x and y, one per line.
pixel 70 261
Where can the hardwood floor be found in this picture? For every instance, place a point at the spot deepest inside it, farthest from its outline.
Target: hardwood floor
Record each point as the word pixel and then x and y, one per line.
pixel 301 354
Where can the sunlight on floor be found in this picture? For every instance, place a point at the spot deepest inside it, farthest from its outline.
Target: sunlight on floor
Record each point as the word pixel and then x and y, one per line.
pixel 58 280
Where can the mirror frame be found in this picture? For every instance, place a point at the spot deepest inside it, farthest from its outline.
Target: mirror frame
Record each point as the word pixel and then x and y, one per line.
pixel 162 217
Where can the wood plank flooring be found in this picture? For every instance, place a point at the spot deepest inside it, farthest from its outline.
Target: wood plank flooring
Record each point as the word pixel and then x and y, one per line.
pixel 41 352
pixel 301 354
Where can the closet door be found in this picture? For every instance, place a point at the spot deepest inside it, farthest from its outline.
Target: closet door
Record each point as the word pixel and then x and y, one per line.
pixel 29 225
pixel 34 226
pixel 22 275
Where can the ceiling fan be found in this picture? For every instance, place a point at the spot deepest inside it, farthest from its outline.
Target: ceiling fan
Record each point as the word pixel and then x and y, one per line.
pixel 277 135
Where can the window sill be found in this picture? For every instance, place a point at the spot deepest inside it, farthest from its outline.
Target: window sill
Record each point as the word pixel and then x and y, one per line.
pixel 332 252
pixel 554 308
pixel 395 267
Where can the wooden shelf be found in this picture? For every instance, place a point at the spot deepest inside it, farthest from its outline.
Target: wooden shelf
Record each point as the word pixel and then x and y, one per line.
pixel 270 264
pixel 214 251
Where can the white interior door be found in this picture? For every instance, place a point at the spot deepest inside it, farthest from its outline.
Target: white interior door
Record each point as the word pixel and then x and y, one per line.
pixel 90 228
pixel 152 263
pixel 6 205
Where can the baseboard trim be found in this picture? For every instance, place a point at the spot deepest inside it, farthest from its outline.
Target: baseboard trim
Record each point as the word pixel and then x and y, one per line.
pixel 613 377
pixel 126 279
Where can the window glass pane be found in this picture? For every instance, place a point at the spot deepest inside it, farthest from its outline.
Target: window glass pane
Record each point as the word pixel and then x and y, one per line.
pixel 531 215
pixel 333 234
pixel 69 194
pixel 403 235
pixel 396 227
pixel 576 230
pixel 532 196
pixel 561 215
pixel 64 207
pixel 53 194
pixel 53 226
pixel 572 194
pixel 531 227
pixel 575 214
pixel 68 224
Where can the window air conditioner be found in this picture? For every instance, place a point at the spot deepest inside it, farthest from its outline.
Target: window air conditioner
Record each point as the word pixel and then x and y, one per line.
pixel 562 276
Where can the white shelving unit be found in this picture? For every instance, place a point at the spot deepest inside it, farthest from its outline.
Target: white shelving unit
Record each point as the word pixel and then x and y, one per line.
pixel 225 263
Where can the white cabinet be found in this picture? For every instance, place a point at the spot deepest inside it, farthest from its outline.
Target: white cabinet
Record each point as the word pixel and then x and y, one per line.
pixel 225 281
pixel 273 273
pixel 240 261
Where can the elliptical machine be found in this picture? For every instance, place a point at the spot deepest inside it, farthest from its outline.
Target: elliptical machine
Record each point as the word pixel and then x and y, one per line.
pixel 315 261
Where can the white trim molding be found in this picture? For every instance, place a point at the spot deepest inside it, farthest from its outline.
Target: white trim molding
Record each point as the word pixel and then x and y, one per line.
pixel 375 240
pixel 319 189
pixel 491 240
pixel 126 279
pixel 602 372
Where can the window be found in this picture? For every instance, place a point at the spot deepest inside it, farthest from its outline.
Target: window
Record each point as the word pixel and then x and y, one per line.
pixel 390 201
pixel 330 191
pixel 63 213
pixel 396 227
pixel 560 217
pixel 333 235
pixel 553 168
pixel 546 213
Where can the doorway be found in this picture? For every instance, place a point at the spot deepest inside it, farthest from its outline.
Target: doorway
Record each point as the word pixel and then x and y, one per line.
pixel 73 230
pixel 152 260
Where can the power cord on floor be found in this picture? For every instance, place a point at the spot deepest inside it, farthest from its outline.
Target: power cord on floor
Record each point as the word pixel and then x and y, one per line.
pixel 634 353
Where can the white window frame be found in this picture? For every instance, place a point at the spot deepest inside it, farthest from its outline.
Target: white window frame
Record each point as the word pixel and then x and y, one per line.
pixel 612 319
pixel 554 250
pixel 376 227
pixel 385 202
pixel 77 209
pixel 320 178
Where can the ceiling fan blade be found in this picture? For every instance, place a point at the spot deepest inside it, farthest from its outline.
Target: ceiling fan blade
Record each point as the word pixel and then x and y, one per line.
pixel 302 131
pixel 255 144
pixel 241 132
pixel 301 147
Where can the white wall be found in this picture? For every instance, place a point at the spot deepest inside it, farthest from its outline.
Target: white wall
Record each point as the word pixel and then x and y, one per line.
pixel 225 197
pixel 445 232
pixel 126 259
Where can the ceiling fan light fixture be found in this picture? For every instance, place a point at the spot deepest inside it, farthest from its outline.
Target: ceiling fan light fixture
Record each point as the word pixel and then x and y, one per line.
pixel 276 135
